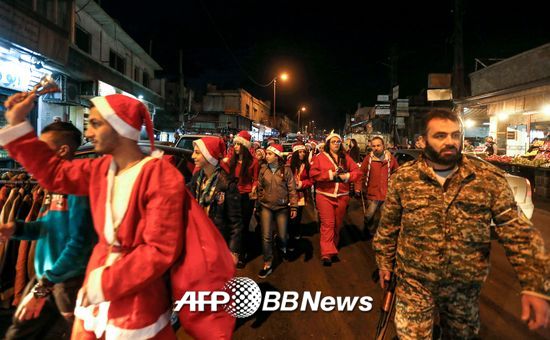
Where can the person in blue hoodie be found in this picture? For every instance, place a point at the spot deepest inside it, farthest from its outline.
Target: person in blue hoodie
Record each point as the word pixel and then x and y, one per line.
pixel 65 239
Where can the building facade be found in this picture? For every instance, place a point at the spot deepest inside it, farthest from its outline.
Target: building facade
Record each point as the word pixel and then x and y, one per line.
pixel 82 47
pixel 229 110
pixel 511 99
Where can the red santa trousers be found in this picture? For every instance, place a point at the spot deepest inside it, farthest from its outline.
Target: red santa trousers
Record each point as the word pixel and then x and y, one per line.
pixel 331 214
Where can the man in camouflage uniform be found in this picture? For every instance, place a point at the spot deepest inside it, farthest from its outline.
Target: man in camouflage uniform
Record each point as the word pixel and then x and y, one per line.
pixel 435 228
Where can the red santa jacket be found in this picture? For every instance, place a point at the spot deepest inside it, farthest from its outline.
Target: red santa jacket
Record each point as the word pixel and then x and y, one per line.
pixel 150 234
pixel 302 180
pixel 250 180
pixel 375 175
pixel 323 170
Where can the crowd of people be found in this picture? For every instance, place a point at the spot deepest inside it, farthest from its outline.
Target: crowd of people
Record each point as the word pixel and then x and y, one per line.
pixel 432 231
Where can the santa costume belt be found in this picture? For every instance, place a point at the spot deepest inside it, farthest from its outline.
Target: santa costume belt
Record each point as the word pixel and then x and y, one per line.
pixel 116 248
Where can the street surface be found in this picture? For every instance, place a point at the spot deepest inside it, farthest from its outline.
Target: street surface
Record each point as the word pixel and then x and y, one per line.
pixel 500 300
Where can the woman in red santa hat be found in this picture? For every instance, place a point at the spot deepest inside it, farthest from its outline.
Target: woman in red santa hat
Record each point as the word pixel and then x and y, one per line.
pixel 137 206
pixel 299 165
pixel 276 195
pixel 217 192
pixel 333 171
pixel 244 166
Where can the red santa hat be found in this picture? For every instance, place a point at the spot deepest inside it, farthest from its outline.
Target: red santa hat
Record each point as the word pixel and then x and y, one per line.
pixel 126 115
pixel 332 135
pixel 298 147
pixel 243 138
pixel 276 149
pixel 270 141
pixel 212 149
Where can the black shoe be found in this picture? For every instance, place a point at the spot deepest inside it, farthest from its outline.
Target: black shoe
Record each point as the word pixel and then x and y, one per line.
pixel 265 272
pixel 285 254
pixel 335 258
pixel 326 262
pixel 241 264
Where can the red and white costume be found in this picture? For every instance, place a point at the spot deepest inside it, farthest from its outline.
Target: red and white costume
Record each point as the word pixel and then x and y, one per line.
pixel 332 198
pixel 138 214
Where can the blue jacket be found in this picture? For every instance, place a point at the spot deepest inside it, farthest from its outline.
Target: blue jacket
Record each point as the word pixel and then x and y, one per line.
pixel 65 237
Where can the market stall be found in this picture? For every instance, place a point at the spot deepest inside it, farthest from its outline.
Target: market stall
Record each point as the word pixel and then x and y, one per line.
pixel 534 165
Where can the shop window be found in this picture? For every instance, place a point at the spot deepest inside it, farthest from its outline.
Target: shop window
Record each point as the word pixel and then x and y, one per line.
pixel 117 62
pixel 145 81
pixel 83 40
pixel 64 8
pixel 46 8
pixel 136 74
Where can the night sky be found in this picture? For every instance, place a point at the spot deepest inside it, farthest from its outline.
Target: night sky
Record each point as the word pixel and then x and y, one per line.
pixel 336 53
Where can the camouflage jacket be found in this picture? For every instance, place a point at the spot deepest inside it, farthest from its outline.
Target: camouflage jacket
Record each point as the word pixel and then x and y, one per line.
pixel 436 233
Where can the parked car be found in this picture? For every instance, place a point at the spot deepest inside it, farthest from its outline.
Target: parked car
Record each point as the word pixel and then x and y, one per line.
pixel 521 187
pixel 287 149
pixel 181 157
pixel 186 141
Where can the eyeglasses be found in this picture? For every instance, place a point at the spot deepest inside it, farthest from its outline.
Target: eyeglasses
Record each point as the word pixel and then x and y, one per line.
pixel 337 142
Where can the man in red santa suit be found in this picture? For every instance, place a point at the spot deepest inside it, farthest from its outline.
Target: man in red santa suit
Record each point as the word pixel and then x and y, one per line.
pixel 137 207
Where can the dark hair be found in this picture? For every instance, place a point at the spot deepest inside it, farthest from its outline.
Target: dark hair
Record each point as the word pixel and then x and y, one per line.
pixel 439 114
pixel 66 133
pixel 247 162
pixel 341 154
pixel 295 161
pixel 379 138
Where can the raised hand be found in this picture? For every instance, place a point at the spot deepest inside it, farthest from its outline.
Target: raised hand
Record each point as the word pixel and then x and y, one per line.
pixel 19 106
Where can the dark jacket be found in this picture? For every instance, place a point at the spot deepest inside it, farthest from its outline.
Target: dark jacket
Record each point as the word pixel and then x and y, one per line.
pixel 277 190
pixel 225 208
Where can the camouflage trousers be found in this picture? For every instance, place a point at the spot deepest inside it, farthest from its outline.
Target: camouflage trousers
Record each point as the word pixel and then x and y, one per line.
pixel 418 303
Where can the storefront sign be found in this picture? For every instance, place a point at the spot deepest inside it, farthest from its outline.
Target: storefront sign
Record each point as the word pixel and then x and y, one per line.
pixel 14 75
pixel 382 109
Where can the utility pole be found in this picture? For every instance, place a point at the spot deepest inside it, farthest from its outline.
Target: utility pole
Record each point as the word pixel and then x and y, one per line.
pixel 181 89
pixel 458 40
pixel 393 82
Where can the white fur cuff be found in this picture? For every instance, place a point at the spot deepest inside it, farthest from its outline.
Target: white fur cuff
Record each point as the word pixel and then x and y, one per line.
pixel 11 133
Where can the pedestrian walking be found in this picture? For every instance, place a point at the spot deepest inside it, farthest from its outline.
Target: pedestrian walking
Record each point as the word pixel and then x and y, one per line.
pixel 276 198
pixel 435 235
pixel 332 171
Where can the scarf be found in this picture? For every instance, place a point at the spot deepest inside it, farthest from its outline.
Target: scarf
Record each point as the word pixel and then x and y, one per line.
pixel 204 196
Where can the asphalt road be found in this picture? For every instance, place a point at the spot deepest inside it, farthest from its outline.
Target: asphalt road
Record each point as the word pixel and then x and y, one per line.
pixel 499 303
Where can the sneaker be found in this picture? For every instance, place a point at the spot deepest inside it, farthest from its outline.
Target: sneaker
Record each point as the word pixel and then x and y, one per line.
pixel 265 272
pixel 326 262
pixel 335 258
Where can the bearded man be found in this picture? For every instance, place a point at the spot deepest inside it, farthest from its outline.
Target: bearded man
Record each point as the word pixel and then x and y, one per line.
pixel 435 234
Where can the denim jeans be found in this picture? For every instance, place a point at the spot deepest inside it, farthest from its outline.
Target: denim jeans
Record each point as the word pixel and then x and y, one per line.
pixel 281 218
pixel 373 206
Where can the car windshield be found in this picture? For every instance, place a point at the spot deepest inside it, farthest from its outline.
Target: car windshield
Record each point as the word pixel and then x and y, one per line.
pixel 186 143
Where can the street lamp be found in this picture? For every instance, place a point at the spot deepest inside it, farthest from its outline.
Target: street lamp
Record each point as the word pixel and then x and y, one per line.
pixel 300 110
pixel 283 76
